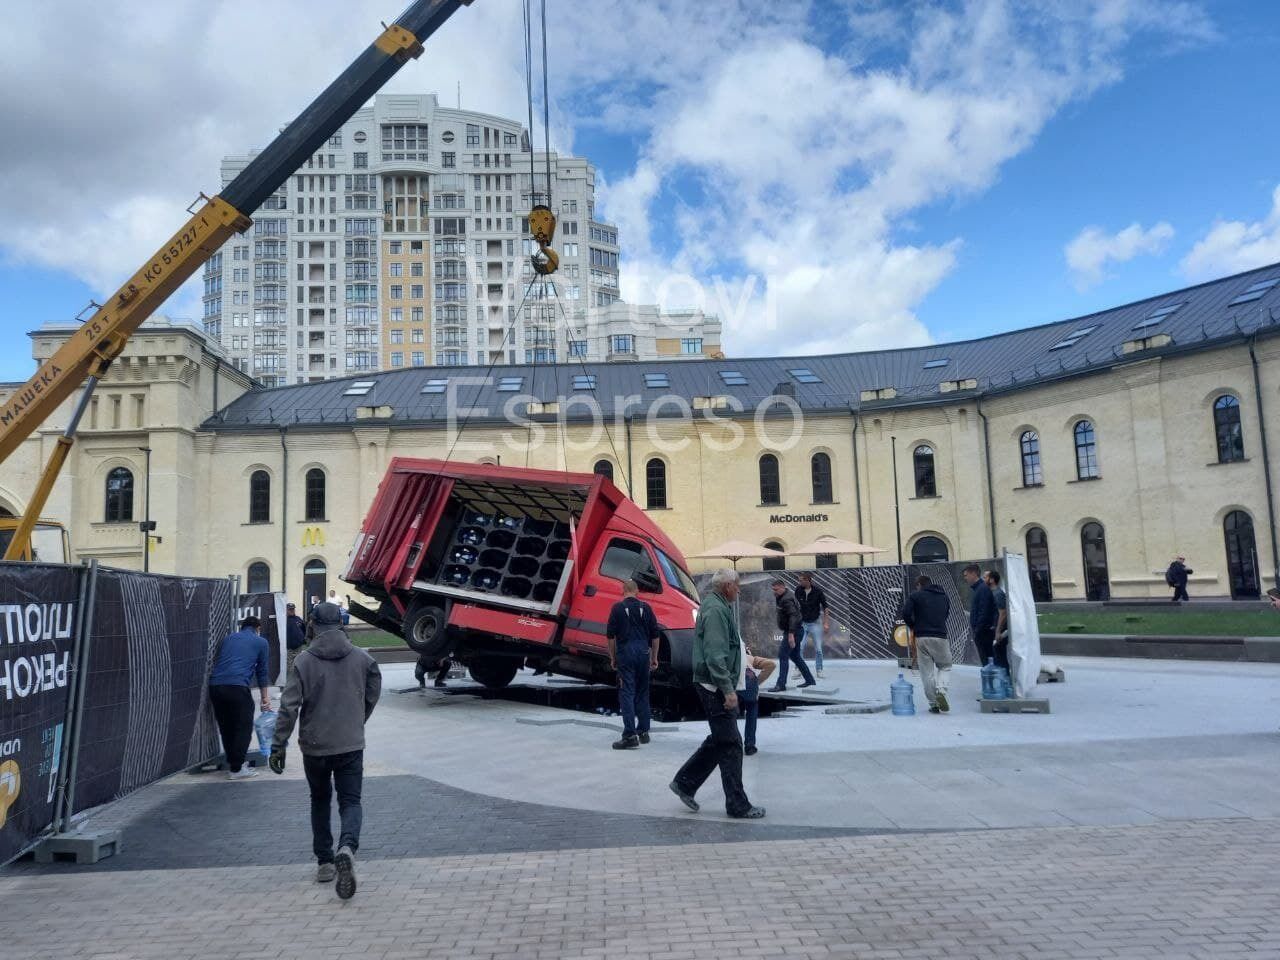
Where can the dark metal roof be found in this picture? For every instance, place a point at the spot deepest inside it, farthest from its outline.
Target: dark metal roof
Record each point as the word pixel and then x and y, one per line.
pixel 999 363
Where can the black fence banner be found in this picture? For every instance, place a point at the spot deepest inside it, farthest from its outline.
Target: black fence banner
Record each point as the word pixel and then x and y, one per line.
pixel 268 608
pixel 38 608
pixel 146 710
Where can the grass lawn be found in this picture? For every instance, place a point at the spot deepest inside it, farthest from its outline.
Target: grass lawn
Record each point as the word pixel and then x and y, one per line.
pixel 1246 623
pixel 375 638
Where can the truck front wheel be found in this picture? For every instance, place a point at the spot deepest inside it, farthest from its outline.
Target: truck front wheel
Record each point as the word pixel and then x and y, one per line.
pixel 494 672
pixel 425 631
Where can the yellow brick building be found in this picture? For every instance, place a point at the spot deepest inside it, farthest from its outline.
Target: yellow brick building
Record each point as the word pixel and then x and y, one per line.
pixel 1101 447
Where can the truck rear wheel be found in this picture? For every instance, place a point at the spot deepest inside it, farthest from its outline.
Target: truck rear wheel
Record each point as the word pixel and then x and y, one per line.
pixel 425 631
pixel 494 672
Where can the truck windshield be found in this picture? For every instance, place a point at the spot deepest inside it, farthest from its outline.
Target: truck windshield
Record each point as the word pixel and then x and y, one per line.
pixel 677 577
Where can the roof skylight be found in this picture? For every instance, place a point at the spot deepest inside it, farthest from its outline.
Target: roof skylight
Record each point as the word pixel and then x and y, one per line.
pixel 733 378
pixel 1255 291
pixel 655 381
pixel 1074 337
pixel 1158 316
pixel 359 388
pixel 436 386
pixel 805 375
pixel 584 381
pixel 935 364
pixel 510 384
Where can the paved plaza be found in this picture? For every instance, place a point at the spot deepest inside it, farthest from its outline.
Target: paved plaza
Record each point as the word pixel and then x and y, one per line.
pixel 1136 820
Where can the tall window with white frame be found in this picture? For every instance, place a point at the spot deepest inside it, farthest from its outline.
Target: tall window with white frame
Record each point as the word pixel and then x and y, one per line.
pixel 260 497
pixel 1032 475
pixel 926 479
pixel 1227 429
pixel 1086 451
pixel 820 475
pixel 770 483
pixel 655 484
pixel 119 496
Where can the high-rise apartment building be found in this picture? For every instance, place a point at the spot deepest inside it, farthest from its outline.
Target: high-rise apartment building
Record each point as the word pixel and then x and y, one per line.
pixel 404 242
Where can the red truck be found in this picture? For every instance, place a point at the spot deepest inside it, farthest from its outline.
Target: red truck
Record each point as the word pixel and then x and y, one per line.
pixel 503 567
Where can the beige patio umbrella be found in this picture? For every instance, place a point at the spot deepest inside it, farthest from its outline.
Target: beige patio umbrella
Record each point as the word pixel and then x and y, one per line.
pixel 735 550
pixel 835 545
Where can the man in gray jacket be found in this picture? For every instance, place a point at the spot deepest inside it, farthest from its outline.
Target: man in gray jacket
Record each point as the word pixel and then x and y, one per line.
pixel 333 687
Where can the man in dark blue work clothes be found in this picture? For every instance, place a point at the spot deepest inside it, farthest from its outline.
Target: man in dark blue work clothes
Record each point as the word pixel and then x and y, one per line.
pixel 241 658
pixel 983 613
pixel 633 652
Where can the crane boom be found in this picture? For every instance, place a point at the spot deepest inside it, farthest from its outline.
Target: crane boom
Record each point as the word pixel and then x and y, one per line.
pixel 104 334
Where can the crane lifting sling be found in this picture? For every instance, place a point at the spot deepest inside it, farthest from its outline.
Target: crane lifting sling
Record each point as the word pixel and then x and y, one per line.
pixel 85 356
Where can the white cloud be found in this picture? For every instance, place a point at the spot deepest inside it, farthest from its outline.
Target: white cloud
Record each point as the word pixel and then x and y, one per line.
pixel 1092 249
pixel 1232 246
pixel 796 161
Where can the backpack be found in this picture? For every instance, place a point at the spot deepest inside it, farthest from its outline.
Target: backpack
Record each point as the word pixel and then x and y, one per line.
pixel 1168 577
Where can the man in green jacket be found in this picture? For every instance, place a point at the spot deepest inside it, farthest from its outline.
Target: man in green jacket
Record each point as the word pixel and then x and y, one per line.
pixel 717 676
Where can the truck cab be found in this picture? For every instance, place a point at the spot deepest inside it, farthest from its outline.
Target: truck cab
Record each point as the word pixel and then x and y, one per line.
pixel 502 567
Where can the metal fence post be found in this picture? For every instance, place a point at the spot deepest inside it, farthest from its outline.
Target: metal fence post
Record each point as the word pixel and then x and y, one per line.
pixel 83 643
pixel 86 573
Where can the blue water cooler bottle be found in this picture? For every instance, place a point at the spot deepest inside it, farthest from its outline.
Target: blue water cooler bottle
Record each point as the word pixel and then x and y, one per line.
pixel 902 697
pixel 990 680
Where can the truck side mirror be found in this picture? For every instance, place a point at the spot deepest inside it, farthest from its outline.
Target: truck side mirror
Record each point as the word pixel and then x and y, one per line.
pixel 648 583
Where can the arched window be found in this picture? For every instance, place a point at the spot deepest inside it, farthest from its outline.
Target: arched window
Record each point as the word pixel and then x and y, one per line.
pixel 1086 451
pixel 926 479
pixel 604 468
pixel 929 550
pixel 1038 564
pixel 259 578
pixel 1093 549
pixel 655 484
pixel 1242 555
pixel 315 583
pixel 119 503
pixel 775 563
pixel 259 497
pixel 1226 426
pixel 315 494
pixel 820 471
pixel 770 485
pixel 1031 473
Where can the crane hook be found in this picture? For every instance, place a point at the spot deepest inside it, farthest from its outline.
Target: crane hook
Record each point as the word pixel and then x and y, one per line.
pixel 542 224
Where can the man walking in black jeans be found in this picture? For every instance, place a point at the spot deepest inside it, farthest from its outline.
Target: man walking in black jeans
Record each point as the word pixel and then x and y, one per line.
pixel 334 686
pixel 717 676
pixel 982 613
pixel 242 658
pixel 791 647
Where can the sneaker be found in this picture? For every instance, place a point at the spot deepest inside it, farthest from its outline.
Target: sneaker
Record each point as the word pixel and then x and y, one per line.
pixel 943 705
pixel 627 743
pixel 345 864
pixel 750 751
pixel 325 873
pixel 685 798
pixel 244 773
pixel 644 738
pixel 934 709
pixel 440 685
pixel 820 676
pixel 751 813
pixel 807 683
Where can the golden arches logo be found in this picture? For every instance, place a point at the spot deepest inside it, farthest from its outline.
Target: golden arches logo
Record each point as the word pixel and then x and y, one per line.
pixel 313 537
pixel 10 787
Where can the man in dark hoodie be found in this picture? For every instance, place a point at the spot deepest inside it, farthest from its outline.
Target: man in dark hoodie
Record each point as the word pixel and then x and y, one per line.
pixel 791 648
pixel 925 612
pixel 333 687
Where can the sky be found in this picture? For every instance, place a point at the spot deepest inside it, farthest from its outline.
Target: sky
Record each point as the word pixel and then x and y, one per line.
pixel 825 175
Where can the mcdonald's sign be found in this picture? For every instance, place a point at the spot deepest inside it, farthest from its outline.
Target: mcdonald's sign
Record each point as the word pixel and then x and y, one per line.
pixel 313 537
